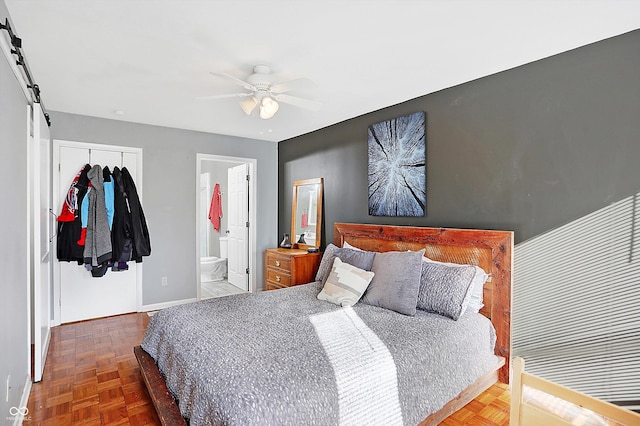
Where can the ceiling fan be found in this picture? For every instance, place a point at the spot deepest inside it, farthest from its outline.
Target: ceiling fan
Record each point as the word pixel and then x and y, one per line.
pixel 264 92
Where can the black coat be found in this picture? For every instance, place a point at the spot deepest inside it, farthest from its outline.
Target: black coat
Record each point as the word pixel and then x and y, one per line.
pixel 129 227
pixel 121 226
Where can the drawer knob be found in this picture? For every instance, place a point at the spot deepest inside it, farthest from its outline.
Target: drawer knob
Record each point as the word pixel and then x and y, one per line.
pixel 277 263
pixel 278 278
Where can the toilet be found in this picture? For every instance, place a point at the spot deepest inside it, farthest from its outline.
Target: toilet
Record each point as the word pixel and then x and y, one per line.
pixel 215 268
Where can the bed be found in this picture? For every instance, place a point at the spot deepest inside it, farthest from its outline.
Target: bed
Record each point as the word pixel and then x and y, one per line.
pixel 223 372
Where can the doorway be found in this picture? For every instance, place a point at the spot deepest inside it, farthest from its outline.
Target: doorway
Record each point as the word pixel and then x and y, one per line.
pixel 77 295
pixel 225 234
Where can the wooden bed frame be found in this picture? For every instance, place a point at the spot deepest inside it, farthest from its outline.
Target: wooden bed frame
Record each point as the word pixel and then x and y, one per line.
pixel 491 250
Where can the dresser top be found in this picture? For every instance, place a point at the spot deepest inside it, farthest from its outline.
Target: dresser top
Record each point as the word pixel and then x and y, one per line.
pixel 289 252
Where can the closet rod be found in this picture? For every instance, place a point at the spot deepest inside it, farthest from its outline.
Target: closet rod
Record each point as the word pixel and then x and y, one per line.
pixel 121 158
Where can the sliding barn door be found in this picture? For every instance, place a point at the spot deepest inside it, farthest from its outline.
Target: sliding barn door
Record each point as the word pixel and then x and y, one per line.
pixel 81 295
pixel 40 158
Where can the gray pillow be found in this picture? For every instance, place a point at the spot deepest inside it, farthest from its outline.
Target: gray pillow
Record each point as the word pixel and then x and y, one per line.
pixel 396 281
pixel 477 285
pixel 445 290
pixel 345 284
pixel 357 258
pixel 326 263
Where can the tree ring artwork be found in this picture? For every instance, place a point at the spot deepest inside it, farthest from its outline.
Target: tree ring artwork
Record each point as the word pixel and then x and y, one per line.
pixel 397 166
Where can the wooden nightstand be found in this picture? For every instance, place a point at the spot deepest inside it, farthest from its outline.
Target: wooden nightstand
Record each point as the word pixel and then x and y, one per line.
pixel 289 267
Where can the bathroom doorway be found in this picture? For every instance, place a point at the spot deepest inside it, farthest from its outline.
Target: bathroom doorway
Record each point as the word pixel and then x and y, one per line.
pixel 225 237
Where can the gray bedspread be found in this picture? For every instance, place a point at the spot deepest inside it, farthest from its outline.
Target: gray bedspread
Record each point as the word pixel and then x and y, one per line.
pixel 257 359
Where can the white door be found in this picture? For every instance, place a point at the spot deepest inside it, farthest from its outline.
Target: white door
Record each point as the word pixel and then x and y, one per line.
pixel 41 243
pixel 237 221
pixel 81 295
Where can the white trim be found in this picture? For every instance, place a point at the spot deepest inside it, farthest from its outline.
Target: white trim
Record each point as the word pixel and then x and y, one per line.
pixel 40 132
pixel 104 147
pixel 55 178
pixel 35 282
pixel 30 136
pixel 163 305
pixel 24 400
pixel 47 340
pixel 253 215
pixel 55 156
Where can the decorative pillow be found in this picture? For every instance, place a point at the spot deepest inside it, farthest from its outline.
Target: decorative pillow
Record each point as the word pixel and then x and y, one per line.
pixel 359 259
pixel 396 282
pixel 326 263
pixel 345 284
pixel 477 292
pixel 444 289
pixel 349 246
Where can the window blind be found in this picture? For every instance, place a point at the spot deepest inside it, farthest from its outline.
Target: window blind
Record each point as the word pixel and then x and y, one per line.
pixel 576 304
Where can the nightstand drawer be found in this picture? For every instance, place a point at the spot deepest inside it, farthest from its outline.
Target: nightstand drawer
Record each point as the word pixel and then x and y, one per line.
pixel 281 262
pixel 288 267
pixel 274 286
pixel 278 278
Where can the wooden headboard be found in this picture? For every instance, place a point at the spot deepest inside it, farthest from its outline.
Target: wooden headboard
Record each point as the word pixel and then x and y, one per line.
pixel 491 250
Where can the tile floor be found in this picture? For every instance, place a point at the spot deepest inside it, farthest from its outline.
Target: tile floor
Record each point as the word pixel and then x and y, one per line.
pixel 218 289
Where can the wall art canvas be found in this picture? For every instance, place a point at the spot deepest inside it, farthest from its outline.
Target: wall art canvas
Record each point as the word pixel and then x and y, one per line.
pixel 397 166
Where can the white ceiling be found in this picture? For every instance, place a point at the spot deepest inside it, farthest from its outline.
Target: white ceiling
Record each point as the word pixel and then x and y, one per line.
pixel 151 59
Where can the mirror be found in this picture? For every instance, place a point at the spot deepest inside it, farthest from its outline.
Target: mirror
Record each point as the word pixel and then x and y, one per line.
pixel 306 213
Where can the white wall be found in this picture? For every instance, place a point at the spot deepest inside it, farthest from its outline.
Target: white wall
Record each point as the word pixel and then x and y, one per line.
pixel 170 190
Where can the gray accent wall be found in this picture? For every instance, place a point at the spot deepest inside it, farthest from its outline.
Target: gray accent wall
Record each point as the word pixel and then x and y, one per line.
pixel 14 284
pixel 170 189
pixel 527 149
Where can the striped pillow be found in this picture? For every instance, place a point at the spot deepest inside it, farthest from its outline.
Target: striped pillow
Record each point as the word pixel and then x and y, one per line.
pixel 345 284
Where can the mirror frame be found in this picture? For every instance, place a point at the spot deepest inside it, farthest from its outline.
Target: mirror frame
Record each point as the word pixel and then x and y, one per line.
pixel 294 207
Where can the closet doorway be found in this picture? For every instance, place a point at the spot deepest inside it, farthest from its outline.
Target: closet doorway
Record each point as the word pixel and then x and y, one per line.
pixel 225 231
pixel 77 295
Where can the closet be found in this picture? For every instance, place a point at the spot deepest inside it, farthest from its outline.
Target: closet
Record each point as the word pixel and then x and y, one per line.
pixel 79 295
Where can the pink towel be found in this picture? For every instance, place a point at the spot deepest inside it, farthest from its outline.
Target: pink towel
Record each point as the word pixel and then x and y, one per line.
pixel 215 209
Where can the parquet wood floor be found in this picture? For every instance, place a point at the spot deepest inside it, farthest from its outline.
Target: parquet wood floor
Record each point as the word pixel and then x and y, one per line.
pixel 92 377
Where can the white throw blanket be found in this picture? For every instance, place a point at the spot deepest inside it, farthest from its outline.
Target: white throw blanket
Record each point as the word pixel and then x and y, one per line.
pixel 364 369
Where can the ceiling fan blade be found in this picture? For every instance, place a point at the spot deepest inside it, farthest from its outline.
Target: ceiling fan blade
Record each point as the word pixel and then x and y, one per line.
pixel 230 95
pixel 299 102
pixel 242 83
pixel 288 86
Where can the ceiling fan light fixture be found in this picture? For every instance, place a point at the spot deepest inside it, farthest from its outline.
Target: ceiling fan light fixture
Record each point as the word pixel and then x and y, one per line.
pixel 248 105
pixel 268 107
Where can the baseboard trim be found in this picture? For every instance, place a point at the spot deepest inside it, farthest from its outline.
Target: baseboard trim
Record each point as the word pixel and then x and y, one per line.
pixel 158 306
pixel 24 400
